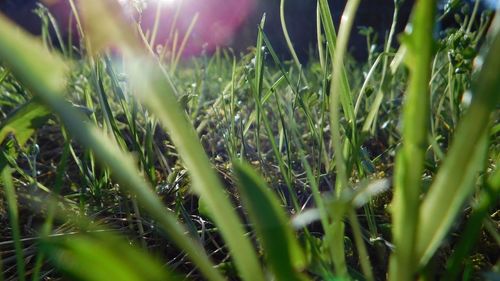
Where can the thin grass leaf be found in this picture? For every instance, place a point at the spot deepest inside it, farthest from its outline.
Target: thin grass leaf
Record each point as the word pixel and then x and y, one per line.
pixel 281 248
pixel 319 37
pixel 47 17
pixel 24 64
pixel 289 81
pixel 287 36
pixel 178 53
pixel 156 24
pixel 339 93
pixel 455 179
pixel 155 90
pixel 259 70
pixel 258 82
pixel 487 199
pixel 48 224
pixel 370 121
pixel 331 39
pixel 157 94
pixel 364 258
pixel 10 194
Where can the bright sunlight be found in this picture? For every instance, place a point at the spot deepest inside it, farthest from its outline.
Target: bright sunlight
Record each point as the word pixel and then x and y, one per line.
pixel 169 2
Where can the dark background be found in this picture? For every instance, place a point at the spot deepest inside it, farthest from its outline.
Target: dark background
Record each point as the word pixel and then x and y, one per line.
pixel 300 18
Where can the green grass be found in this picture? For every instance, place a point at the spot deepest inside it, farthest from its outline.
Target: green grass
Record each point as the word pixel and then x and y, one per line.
pixel 142 166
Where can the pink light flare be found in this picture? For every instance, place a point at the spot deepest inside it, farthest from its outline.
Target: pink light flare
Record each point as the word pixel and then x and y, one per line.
pixel 217 23
pixel 218 20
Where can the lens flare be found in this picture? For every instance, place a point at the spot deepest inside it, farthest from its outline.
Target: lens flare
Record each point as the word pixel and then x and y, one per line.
pixel 168 2
pixel 217 23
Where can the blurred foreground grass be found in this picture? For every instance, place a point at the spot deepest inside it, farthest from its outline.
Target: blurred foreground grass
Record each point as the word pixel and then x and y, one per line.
pixel 131 165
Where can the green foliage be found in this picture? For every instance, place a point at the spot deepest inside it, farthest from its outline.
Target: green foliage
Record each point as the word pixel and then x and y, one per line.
pixel 10 195
pixel 24 121
pixel 282 250
pixel 121 163
pixel 410 159
pixel 465 159
pixel 152 151
pixel 79 256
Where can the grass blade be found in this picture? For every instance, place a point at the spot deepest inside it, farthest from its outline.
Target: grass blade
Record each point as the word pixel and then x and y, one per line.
pixel 109 257
pixel 155 90
pixel 10 194
pixel 339 93
pixel 49 220
pixel 454 181
pixel 24 121
pixel 157 95
pixel 410 159
pixel 24 55
pixel 287 36
pixel 257 87
pixel 276 237
pixel 331 39
pixel 487 199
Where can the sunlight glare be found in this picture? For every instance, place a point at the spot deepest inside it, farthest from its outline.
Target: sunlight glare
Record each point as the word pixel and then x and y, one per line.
pixel 168 2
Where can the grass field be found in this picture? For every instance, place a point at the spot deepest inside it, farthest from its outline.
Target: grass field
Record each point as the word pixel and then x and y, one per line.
pixel 120 160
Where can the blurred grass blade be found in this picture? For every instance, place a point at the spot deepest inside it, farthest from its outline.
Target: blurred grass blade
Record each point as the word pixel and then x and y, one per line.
pixel 257 85
pixel 273 228
pixel 154 88
pixel 157 94
pixel 338 91
pixel 51 210
pixel 486 201
pixel 331 38
pixel 287 36
pixel 15 45
pixel 410 159
pixel 340 94
pixel 3 75
pixel 178 53
pixel 455 179
pixel 50 86
pixel 10 194
pixel 103 257
pixel 23 121
pixel 98 20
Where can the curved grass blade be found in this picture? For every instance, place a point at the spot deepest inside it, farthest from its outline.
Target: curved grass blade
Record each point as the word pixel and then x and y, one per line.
pixel 23 121
pixel 273 228
pixel 287 36
pixel 331 39
pixel 340 94
pixel 337 91
pixel 102 257
pixel 158 95
pixel 489 195
pixel 24 55
pixel 455 180
pixel 155 90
